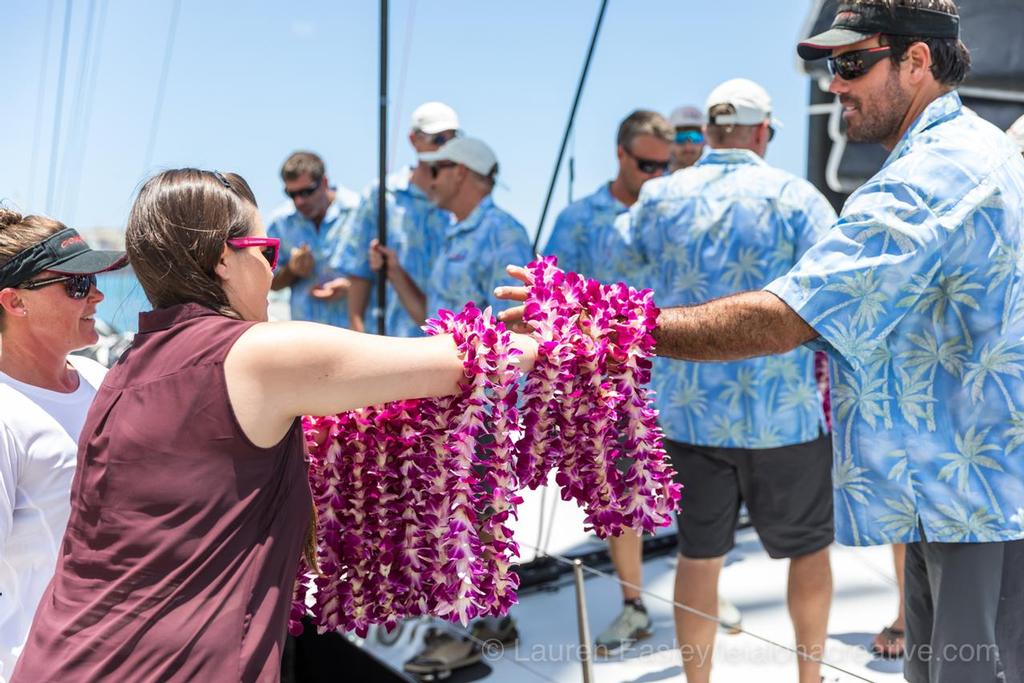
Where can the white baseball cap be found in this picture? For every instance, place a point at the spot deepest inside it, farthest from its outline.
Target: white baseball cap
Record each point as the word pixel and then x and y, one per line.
pixel 750 100
pixel 687 116
pixel 472 153
pixel 434 117
pixel 1016 132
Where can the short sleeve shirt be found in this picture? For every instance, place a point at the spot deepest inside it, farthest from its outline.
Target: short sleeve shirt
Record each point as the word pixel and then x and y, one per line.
pixel 917 295
pixel 591 237
pixel 473 257
pixel 728 224
pixel 294 230
pixel 415 230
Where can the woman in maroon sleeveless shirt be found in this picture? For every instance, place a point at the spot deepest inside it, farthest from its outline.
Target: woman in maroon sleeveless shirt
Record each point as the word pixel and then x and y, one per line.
pixel 190 505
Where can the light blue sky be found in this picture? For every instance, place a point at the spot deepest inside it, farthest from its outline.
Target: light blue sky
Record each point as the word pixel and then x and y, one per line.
pixel 251 81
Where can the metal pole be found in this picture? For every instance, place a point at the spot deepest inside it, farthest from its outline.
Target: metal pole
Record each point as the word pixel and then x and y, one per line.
pixel 584 625
pixel 382 165
pixel 568 125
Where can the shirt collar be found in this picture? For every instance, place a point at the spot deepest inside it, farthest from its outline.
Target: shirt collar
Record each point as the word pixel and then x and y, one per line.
pixel 604 199
pixel 165 318
pixel 731 156
pixel 940 110
pixel 475 217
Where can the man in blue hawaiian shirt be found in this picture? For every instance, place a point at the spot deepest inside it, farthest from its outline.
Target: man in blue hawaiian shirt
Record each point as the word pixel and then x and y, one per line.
pixel 476 248
pixel 748 431
pixel 415 225
pixel 916 295
pixel 310 227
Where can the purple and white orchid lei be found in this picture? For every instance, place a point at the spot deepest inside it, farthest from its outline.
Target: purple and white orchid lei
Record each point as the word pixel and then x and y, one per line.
pixel 414 498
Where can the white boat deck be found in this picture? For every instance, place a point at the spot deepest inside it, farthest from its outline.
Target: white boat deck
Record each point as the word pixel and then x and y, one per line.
pixel 864 600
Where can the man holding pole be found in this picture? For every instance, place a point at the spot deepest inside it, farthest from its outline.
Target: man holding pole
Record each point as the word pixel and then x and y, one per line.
pixel 415 225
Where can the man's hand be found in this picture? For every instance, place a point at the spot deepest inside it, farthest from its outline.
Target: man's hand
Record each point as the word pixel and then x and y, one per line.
pixel 382 257
pixel 332 290
pixel 513 317
pixel 300 262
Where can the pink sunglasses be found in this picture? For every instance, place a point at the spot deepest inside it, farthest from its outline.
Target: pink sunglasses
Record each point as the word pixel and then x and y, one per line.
pixel 269 247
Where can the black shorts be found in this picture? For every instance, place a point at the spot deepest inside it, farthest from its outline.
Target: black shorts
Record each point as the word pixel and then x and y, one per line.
pixel 787 490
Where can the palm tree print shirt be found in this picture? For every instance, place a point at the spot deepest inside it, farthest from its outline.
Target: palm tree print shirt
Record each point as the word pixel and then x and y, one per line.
pixel 473 257
pixel 728 224
pixel 917 295
pixel 415 229
pixel 591 237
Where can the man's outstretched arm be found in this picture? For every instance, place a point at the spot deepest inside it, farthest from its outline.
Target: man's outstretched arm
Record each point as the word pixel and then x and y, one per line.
pixel 731 328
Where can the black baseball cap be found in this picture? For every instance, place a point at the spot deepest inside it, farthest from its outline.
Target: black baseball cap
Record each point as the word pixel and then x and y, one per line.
pixel 63 252
pixel 855 22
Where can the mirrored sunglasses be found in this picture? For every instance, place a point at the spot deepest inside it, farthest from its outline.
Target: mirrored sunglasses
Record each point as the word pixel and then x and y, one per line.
pixel 76 286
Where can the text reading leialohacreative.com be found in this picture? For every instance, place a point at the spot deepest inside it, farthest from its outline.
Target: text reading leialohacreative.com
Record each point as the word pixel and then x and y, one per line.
pixel 730 653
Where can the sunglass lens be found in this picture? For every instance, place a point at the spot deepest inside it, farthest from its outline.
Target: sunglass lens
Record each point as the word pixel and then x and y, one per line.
pixel 270 253
pixel 79 286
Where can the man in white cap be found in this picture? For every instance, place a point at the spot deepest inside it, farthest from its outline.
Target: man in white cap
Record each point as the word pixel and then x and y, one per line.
pixel 749 431
pixel 475 249
pixel 688 143
pixel 415 225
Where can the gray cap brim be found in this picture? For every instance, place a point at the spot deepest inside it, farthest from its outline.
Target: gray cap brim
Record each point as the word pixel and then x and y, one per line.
pixel 821 45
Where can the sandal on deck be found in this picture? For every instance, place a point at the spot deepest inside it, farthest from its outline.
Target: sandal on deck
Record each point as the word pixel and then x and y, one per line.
pixel 889 644
pixel 443 654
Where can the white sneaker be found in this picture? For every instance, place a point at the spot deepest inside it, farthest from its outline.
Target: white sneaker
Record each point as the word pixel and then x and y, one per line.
pixel 729 616
pixel 630 626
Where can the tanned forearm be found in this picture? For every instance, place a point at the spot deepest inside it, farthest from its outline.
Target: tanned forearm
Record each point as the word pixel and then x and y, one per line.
pixel 283 278
pixel 413 300
pixel 732 328
pixel 358 297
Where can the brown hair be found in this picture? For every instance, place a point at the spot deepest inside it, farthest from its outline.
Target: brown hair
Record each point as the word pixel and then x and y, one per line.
pixel 176 233
pixel 644 122
pixel 18 233
pixel 951 60
pixel 729 134
pixel 300 163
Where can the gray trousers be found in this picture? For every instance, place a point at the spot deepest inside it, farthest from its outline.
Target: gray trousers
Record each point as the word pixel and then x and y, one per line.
pixel 955 596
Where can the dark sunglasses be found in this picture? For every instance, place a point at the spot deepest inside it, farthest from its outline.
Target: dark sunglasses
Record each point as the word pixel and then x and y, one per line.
pixel 269 247
pixel 305 192
pixel 439 139
pixel 77 286
pixel 648 166
pixel 440 166
pixel 692 136
pixel 852 65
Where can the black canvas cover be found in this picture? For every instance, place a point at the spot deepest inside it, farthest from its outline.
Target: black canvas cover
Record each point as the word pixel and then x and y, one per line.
pixel 993 31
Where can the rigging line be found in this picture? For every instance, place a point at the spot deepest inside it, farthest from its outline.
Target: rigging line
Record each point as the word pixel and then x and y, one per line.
pixel 40 97
pixel 161 89
pixel 55 141
pixel 703 615
pixel 396 125
pixel 569 123
pixel 90 95
pixel 75 106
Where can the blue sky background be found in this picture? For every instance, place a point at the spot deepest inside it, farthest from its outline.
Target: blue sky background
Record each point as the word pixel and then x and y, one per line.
pixel 249 82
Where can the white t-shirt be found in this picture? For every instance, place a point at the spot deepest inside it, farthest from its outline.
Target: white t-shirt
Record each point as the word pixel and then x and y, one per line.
pixel 39 432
